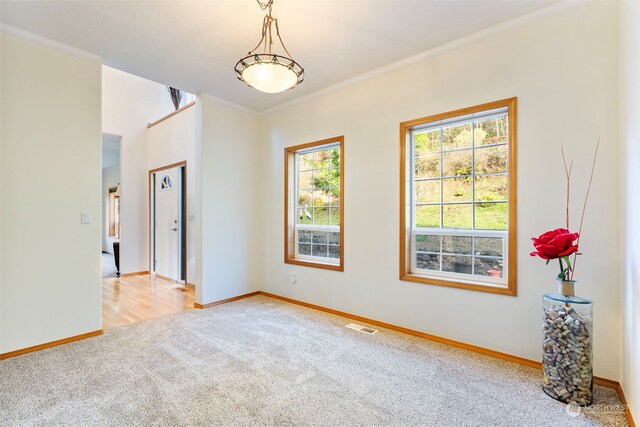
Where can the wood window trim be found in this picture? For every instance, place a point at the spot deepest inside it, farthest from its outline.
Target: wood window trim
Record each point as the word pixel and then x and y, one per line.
pixel 289 216
pixel 404 225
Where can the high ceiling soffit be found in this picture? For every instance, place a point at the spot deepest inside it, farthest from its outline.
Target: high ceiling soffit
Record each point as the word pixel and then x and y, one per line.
pixel 194 45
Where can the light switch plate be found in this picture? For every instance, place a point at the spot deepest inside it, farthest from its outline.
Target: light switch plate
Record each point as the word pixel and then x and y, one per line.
pixel 85 217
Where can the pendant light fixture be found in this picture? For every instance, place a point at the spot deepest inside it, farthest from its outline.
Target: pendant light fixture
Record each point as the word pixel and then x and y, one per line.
pixel 267 71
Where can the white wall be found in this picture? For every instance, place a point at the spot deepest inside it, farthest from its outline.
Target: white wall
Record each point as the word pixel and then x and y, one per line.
pixel 129 103
pixel 563 70
pixel 630 227
pixel 229 253
pixel 50 172
pixel 1 138
pixel 173 141
pixel 110 178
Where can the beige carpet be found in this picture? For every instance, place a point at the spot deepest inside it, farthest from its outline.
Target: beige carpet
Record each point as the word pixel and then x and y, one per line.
pixel 259 361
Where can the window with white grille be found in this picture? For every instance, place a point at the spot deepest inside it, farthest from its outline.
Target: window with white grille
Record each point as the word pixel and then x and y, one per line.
pixel 314 204
pixel 458 208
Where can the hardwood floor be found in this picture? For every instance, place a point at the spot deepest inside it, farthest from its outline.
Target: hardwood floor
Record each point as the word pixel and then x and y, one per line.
pixel 133 299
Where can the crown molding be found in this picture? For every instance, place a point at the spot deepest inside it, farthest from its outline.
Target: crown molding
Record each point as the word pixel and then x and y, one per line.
pixel 45 41
pixel 229 104
pixel 438 50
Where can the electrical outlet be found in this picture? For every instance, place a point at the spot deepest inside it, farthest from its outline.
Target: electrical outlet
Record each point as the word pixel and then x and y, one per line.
pixel 294 279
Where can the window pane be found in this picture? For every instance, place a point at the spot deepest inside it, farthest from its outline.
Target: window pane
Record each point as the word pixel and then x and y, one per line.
pixel 428 166
pixel 457 190
pixel 457 163
pixel 325 178
pixel 305 215
pixel 304 249
pixel 428 191
pixel 491 188
pixel 488 246
pixel 456 216
pixel 334 158
pixel 491 216
pixel 113 213
pixel 304 198
pixel 321 159
pixel 491 159
pixel 456 264
pixel 456 245
pixel 334 196
pixel 334 163
pixel 304 236
pixel 491 131
pixel 116 217
pixel 305 180
pixel 334 214
pixel 319 250
pixel 426 243
pixel 321 216
pixel 320 198
pixel 428 216
pixel 456 137
pixel 428 261
pixel 427 142
pixel 334 252
pixel 488 267
pixel 320 237
pixel 334 238
pixel 305 161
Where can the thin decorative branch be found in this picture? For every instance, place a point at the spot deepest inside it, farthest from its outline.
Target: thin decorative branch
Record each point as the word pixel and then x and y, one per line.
pixel 584 206
pixel 567 172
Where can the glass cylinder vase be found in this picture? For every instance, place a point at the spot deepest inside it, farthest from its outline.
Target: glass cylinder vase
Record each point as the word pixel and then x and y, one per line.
pixel 567 326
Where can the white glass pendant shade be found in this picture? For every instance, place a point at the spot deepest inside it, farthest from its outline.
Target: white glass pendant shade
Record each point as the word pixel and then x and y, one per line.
pixel 269 77
pixel 269 73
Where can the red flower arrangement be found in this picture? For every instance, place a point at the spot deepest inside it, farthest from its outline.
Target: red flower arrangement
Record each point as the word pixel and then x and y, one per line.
pixel 557 244
pixel 561 243
pixel 554 244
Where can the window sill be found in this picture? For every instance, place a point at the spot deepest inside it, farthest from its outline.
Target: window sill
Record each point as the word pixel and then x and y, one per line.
pixel 479 287
pixel 306 263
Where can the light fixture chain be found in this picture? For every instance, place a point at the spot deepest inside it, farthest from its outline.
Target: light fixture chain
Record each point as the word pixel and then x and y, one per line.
pixel 280 38
pixel 264 33
pixel 266 5
pixel 269 39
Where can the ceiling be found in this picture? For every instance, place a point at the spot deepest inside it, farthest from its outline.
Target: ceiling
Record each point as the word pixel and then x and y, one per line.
pixel 194 45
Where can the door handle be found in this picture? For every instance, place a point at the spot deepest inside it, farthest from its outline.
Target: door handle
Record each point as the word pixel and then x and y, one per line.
pixel 174 229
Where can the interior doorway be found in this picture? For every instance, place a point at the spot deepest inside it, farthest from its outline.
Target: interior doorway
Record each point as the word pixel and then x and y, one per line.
pixel 110 217
pixel 167 222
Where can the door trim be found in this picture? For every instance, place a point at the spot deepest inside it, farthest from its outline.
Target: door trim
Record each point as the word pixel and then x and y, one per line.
pixel 185 217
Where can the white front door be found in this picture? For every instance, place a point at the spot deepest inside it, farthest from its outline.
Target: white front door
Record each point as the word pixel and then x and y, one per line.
pixel 168 223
